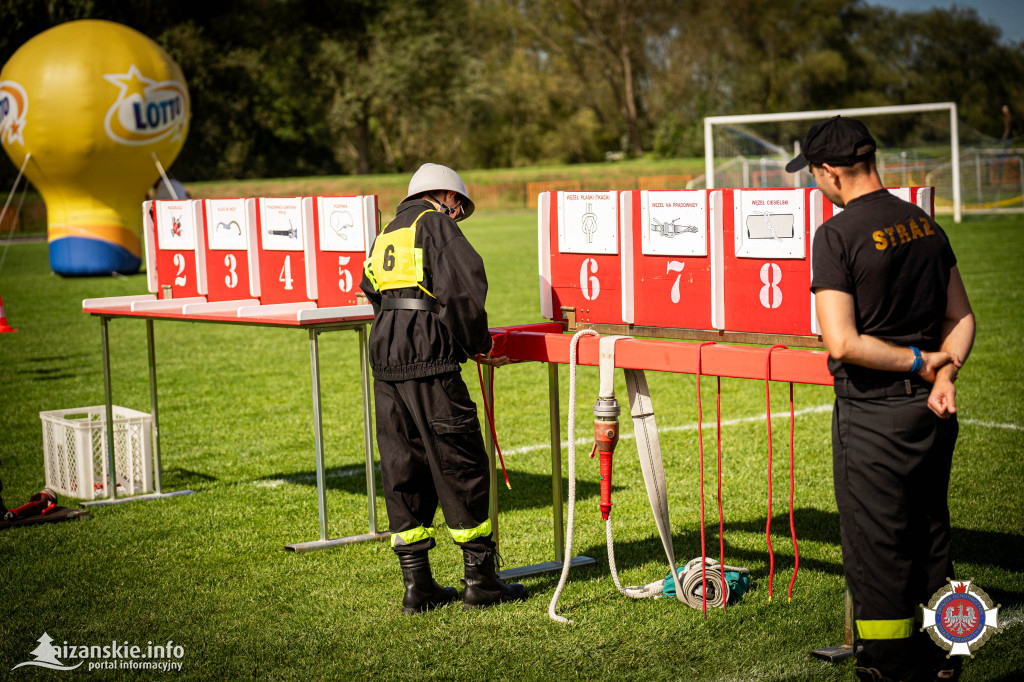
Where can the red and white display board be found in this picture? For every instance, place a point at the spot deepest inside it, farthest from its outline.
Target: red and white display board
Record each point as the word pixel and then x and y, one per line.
pixel 175 255
pixel 230 264
pixel 763 268
pixel 284 251
pixel 667 259
pixel 579 253
pixel 343 229
pixel 923 197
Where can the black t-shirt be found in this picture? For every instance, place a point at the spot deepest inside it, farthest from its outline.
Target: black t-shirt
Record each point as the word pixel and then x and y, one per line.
pixel 895 261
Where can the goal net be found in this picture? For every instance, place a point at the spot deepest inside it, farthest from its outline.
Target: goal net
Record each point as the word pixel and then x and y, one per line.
pixel 920 145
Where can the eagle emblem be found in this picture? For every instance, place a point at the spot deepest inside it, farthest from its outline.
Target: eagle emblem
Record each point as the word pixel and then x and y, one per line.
pixel 960 617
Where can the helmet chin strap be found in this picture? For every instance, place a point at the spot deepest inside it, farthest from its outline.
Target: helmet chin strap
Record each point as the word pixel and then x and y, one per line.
pixel 445 208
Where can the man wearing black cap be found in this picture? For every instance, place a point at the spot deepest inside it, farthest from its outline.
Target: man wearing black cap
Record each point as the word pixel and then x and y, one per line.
pixel 898 326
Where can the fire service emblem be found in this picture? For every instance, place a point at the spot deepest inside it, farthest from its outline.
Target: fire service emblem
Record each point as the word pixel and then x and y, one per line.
pixel 960 617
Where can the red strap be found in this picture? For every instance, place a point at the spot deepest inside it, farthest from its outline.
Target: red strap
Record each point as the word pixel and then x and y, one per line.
pixel 721 515
pixel 700 438
pixel 792 483
pixel 489 411
pixel 768 417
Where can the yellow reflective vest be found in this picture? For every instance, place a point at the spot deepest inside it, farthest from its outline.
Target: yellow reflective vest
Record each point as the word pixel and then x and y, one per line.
pixel 396 262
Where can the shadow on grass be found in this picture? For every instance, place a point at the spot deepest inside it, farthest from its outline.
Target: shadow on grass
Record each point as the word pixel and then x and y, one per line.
pixel 184 478
pixel 56 367
pixel 998 550
pixel 529 491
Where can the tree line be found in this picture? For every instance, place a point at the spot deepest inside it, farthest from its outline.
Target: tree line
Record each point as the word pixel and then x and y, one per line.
pixel 301 87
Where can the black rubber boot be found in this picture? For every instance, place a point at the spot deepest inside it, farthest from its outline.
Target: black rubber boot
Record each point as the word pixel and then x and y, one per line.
pixel 422 592
pixel 483 586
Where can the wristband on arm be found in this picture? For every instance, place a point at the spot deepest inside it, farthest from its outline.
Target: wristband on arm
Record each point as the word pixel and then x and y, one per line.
pixel 918 360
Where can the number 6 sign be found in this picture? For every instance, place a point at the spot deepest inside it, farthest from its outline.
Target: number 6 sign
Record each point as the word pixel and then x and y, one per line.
pixel 580 266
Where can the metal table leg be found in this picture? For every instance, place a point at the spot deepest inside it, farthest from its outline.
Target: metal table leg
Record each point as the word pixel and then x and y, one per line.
pixel 159 494
pixel 318 435
pixel 556 492
pixel 833 654
pixel 109 485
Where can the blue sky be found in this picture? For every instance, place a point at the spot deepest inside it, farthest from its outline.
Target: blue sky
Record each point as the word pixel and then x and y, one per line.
pixel 1006 14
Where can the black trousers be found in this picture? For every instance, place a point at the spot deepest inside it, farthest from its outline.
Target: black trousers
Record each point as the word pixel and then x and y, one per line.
pixel 891 464
pixel 431 452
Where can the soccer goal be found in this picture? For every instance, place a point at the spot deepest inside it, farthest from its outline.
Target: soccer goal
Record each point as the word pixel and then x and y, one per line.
pixel 918 144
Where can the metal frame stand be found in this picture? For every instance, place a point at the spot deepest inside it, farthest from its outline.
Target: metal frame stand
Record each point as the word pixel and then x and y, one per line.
pixel 314 361
pixel 111 483
pixel 834 654
pixel 556 487
pixel 318 434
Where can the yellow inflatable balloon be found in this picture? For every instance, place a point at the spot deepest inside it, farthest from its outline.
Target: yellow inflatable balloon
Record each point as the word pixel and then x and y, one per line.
pixel 92 105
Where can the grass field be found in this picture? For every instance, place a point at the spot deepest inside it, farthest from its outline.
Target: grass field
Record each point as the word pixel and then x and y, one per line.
pixel 208 571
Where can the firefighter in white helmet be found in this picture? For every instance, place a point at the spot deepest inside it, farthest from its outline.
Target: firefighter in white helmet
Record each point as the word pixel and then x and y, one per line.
pixel 428 287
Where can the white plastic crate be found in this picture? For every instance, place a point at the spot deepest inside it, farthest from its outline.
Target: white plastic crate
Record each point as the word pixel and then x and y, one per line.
pixel 75 451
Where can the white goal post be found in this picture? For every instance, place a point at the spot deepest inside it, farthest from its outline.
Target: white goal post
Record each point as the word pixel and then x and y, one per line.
pixel 954 143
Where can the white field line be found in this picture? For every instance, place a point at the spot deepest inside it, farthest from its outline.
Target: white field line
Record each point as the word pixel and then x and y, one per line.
pixel 585 440
pixel 1011 617
pixel 992 425
pixel 672 429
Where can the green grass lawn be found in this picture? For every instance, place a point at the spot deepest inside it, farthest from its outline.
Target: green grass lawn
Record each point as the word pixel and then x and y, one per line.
pixel 208 571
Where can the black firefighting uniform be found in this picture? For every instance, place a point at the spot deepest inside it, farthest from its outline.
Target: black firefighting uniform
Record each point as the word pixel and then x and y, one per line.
pixel 891 454
pixel 428 433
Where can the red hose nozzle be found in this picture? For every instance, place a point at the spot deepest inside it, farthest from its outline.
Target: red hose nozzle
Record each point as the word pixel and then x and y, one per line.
pixel 606 436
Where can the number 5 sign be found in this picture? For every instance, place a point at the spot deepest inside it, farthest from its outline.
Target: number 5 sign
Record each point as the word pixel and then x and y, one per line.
pixel 342 231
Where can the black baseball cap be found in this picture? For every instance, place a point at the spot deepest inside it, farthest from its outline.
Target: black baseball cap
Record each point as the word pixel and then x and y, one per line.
pixel 836 141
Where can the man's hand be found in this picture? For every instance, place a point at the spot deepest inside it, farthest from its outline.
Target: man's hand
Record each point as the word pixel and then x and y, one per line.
pixel 933 362
pixel 487 359
pixel 942 399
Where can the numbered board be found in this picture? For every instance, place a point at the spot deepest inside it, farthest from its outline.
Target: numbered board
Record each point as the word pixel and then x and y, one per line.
pixel 285 259
pixel 923 197
pixel 579 255
pixel 763 269
pixel 669 278
pixel 343 229
pixel 175 251
pixel 230 262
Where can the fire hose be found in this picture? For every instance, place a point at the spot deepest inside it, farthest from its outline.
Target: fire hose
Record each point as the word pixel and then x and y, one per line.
pixel 606 434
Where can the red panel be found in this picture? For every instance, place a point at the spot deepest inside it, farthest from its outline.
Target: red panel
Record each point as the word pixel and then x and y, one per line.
pixel 766 295
pixel 282 273
pixel 590 283
pixel 663 294
pixel 176 268
pixel 337 272
pixel 743 362
pixel 227 274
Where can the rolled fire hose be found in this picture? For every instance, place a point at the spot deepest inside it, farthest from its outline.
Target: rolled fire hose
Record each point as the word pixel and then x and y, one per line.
pixel 718 588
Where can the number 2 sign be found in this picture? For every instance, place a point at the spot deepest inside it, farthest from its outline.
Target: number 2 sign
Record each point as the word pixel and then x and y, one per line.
pixel 179 254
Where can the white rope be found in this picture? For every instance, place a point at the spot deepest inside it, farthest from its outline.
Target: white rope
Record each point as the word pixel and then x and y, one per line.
pixel 566 562
pixel 635 591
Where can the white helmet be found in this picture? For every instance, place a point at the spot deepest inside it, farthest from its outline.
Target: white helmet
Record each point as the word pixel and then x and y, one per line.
pixel 432 176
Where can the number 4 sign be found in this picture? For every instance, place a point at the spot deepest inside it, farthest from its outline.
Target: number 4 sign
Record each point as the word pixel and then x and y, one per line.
pixel 284 242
